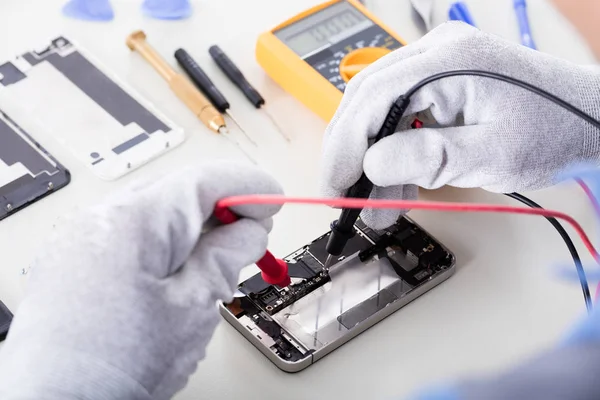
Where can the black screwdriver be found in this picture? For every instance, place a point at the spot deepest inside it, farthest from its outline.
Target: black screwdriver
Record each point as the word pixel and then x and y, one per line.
pixel 237 78
pixel 203 82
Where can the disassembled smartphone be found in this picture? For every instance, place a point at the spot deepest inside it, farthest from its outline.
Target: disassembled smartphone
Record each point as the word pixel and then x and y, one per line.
pixel 5 321
pixel 379 272
pixel 88 110
pixel 28 172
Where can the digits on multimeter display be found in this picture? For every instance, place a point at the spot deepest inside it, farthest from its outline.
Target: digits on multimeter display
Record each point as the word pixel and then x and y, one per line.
pixel 327 27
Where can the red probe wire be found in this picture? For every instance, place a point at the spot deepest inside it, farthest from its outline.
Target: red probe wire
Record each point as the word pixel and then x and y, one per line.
pixel 409 205
pixel 590 195
pixel 596 206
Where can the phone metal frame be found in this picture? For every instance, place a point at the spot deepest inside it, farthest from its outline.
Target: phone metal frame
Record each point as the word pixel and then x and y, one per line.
pixel 292 367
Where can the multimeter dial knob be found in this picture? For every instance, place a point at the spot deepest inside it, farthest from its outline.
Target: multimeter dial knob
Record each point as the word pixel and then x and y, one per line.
pixel 359 59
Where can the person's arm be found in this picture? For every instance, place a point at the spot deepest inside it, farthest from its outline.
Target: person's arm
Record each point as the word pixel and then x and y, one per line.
pixel 488 134
pixel 121 301
pixel 585 16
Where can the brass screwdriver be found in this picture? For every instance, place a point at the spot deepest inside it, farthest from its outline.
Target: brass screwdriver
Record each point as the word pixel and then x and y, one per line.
pixel 183 88
pixel 179 84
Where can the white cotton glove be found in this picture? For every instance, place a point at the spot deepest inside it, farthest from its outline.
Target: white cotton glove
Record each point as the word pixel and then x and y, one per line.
pixel 121 302
pixel 494 135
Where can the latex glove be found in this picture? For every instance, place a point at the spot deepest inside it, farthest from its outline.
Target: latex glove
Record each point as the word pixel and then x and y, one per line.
pixel 495 135
pixel 121 301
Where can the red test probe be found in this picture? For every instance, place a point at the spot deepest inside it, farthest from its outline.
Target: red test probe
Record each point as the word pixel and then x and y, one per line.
pixel 274 270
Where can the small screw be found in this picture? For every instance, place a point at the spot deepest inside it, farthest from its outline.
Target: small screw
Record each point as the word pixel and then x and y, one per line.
pixel 50 185
pixel 129 165
pixel 9 207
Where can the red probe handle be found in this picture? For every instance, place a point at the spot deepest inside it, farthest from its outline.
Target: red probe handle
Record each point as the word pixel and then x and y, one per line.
pixel 274 270
pixel 417 124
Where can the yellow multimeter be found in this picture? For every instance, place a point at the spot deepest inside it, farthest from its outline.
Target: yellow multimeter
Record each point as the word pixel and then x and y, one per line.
pixel 313 55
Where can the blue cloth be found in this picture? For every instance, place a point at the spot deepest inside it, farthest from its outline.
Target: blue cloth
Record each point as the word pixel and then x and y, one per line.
pixel 89 10
pixel 439 393
pixel 586 331
pixel 567 372
pixel 167 9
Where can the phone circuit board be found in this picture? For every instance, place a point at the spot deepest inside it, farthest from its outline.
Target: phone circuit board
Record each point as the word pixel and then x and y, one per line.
pixel 383 265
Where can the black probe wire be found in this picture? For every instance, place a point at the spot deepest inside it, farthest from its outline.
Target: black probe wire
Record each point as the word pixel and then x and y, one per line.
pixel 570 245
pixel 403 101
pixel 504 78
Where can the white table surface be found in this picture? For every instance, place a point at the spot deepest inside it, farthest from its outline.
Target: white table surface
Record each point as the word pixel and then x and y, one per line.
pixel 502 305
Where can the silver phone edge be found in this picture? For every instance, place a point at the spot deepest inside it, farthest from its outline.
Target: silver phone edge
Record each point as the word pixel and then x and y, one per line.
pixel 292 367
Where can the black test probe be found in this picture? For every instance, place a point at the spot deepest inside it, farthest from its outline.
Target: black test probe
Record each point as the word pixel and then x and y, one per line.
pixel 238 79
pixel 206 85
pixel 342 230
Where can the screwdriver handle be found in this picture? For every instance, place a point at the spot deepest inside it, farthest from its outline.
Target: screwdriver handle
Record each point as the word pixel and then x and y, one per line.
pixel 236 76
pixel 201 80
pixel 274 271
pixel 197 102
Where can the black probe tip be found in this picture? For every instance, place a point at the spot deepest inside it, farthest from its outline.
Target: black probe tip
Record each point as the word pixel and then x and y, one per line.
pixel 338 239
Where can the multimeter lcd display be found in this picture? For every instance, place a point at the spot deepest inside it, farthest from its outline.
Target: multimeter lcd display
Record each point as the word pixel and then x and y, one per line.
pixel 323 29
pixel 307 55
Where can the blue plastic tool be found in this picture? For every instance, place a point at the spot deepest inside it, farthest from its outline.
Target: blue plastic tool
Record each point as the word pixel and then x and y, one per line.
pixel 167 9
pixel 521 11
pixel 89 10
pixel 460 12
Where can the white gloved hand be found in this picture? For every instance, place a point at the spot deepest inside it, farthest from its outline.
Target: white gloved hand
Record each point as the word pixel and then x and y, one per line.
pixel 495 135
pixel 121 302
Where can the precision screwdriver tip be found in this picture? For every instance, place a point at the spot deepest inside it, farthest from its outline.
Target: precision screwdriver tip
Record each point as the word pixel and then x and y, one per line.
pixel 235 142
pixel 276 124
pixel 240 128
